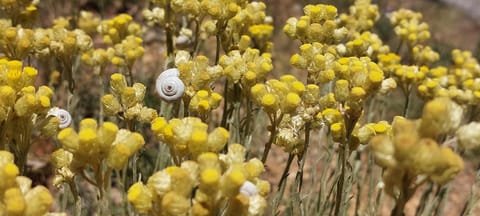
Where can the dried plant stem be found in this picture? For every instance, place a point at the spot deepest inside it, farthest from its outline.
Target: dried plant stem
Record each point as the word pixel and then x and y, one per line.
pixel 76 197
pixel 473 197
pixel 441 199
pixel 342 159
pixel 169 28
pixel 405 194
pixel 226 99
pixel 281 185
pixel 274 120
pixel 301 159
pixel 407 102
pixel 424 199
pixel 101 83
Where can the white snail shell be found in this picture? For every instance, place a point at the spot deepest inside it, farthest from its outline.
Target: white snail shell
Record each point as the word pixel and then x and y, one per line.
pixel 63 115
pixel 169 86
pixel 249 189
pixel 169 73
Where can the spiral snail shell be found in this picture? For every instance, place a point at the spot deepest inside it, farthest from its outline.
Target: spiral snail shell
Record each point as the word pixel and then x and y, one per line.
pixel 249 189
pixel 169 86
pixel 63 115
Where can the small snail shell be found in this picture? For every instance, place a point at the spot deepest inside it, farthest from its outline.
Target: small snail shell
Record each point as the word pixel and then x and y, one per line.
pixel 169 86
pixel 63 115
pixel 169 73
pixel 249 189
pixel 182 40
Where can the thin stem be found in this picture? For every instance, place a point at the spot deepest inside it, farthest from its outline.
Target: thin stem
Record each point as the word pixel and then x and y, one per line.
pixel 88 179
pixel 424 199
pixel 341 180
pixel 217 50
pixel 282 184
pixel 102 93
pixel 226 99
pixel 197 38
pixel 403 197
pixel 76 198
pixel 273 132
pixel 301 159
pixel 343 158
pixel 399 46
pixel 407 103
pixel 169 28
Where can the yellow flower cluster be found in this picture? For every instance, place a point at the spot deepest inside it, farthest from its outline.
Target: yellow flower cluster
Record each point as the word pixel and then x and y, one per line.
pixel 388 62
pixel 222 10
pixel 188 137
pixel 196 73
pixel 318 25
pixel 17 196
pixel 468 136
pixel 247 68
pixel 261 33
pixel 22 105
pixel 424 55
pixel 457 82
pixel 366 132
pixel 127 101
pixel 204 101
pixel 252 14
pixel 289 135
pixel 118 28
pixel 250 22
pixel 88 22
pixel 409 76
pixel 317 59
pixel 279 96
pixel 360 73
pixel 187 7
pixel 94 146
pixel 365 44
pixel 125 53
pixel 362 16
pixel 97 57
pixel 65 44
pixel 121 33
pixel 409 26
pixel 410 149
pixel 20 12
pixel 154 16
pixel 16 42
pixel 221 184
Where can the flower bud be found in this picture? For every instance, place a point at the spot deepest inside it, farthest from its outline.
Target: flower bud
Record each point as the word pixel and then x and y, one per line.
pixel 140 197
pixel 39 201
